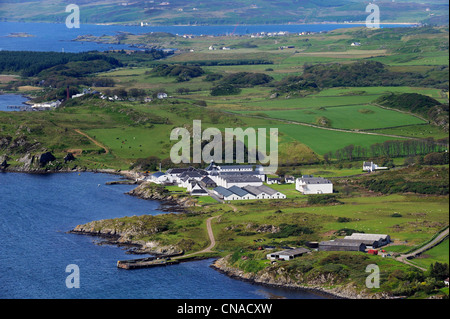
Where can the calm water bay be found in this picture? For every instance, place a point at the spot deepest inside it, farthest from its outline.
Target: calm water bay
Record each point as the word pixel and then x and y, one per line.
pixel 57 37
pixel 36 211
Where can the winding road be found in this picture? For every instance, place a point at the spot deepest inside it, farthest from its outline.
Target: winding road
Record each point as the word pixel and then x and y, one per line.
pixel 431 244
pixel 211 239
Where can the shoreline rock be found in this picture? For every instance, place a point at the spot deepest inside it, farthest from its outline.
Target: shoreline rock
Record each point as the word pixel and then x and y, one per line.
pixel 266 278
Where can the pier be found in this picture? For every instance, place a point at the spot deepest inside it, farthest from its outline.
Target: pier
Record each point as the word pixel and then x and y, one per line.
pixel 148 262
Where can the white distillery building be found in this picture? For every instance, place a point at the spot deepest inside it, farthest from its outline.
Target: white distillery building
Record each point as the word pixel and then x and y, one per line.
pixel 308 184
pixel 371 166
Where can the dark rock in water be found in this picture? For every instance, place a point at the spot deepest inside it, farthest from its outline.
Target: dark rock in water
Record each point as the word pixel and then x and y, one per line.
pixel 69 157
pixel 46 158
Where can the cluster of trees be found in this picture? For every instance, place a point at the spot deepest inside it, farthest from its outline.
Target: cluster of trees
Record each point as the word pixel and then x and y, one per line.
pixel 247 79
pixel 361 74
pixel 420 104
pixel 231 84
pixel 29 63
pixel 412 102
pixel 182 72
pixel 416 282
pixel 420 180
pixel 395 148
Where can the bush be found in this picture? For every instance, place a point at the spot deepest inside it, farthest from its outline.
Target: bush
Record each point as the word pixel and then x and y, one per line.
pixel 225 89
pixel 322 199
pixel 343 220
pixel 291 230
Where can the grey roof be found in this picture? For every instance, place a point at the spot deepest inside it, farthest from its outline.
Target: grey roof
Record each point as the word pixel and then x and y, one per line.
pixel 190 174
pixel 158 174
pixel 368 236
pixel 244 173
pixel 199 191
pixel 238 191
pixel 241 179
pixel 267 189
pixel 253 190
pixel 367 242
pixel 309 179
pixel 257 167
pixel 340 243
pixel 207 180
pixel 179 170
pixel 293 252
pixel 223 191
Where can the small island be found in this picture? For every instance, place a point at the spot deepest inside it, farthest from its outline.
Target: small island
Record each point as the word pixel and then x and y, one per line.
pixel 20 35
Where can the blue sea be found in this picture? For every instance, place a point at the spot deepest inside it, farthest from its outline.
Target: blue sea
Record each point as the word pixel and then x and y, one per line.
pixel 16 100
pixel 36 211
pixel 57 37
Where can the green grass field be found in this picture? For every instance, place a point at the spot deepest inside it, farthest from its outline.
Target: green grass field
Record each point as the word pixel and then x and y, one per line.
pixel 356 117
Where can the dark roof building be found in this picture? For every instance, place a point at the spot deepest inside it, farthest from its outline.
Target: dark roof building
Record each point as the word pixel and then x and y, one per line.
pixel 332 245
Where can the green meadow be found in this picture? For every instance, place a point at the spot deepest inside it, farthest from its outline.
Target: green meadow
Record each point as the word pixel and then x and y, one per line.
pixel 356 117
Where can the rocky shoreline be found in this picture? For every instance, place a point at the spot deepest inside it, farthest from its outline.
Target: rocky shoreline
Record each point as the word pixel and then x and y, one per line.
pixel 277 279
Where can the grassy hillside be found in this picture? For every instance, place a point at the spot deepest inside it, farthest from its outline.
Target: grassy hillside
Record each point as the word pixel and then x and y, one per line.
pixel 224 12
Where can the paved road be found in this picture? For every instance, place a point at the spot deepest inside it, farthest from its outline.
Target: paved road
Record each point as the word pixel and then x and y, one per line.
pixel 434 242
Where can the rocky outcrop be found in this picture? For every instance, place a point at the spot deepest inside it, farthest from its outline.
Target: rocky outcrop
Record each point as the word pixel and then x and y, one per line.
pixel 123 238
pixel 169 202
pixel 325 284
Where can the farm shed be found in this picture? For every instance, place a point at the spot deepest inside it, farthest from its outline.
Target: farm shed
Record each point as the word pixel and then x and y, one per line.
pixel 332 245
pixel 381 238
pixel 288 254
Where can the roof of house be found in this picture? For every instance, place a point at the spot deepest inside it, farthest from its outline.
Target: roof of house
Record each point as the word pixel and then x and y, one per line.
pixel 158 174
pixel 267 190
pixel 241 179
pixel 238 191
pixel 292 252
pixel 179 170
pixel 309 179
pixel 253 190
pixel 340 243
pixel 367 236
pixel 207 181
pixel 191 174
pixel 348 239
pixel 198 191
pixel 223 191
pixel 240 167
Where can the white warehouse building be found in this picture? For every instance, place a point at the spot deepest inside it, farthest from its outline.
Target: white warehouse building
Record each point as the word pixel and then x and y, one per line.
pixel 308 184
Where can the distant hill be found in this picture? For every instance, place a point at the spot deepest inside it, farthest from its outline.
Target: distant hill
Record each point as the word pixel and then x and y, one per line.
pixel 181 12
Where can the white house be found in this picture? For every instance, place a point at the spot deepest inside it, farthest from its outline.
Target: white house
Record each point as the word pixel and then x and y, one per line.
pixel 288 254
pixel 159 178
pixel 225 194
pixel 197 190
pixel 242 193
pixel 273 180
pixel 371 166
pixel 161 95
pixel 309 184
pixel 238 180
pixel 289 180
